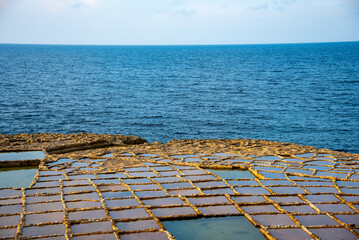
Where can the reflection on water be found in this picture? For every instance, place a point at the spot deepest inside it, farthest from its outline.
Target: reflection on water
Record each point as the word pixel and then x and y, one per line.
pixel 21 155
pixel 232 174
pixel 213 228
pixel 20 177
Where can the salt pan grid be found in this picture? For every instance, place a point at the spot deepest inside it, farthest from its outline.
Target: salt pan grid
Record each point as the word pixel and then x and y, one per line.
pixel 307 196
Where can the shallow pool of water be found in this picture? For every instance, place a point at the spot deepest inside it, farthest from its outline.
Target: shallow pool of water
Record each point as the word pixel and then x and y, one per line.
pixel 17 177
pixel 213 228
pixel 232 174
pixel 31 155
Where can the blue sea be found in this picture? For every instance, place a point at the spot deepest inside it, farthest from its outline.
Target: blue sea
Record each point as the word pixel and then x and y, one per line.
pixel 301 93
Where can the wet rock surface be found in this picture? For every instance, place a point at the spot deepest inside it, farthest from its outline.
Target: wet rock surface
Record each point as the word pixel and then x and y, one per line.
pixel 126 191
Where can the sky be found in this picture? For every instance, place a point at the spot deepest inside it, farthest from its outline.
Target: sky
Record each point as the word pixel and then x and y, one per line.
pixel 172 22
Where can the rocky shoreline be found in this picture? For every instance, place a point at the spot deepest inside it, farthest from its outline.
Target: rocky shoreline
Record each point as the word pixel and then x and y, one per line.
pixel 92 143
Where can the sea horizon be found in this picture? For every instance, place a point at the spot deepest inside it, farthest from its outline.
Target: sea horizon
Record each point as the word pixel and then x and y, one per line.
pixel 162 45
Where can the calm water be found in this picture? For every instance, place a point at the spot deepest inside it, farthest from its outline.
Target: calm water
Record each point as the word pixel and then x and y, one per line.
pixel 19 177
pixel 301 93
pixel 31 155
pixel 224 228
pixel 232 174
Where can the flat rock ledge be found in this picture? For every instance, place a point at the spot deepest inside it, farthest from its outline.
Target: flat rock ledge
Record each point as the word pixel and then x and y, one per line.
pixel 99 144
pixel 61 143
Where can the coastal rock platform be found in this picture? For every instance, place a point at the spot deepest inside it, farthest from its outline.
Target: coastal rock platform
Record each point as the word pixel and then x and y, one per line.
pixel 99 186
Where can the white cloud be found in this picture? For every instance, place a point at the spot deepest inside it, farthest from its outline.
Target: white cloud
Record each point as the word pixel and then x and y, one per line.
pixel 79 5
pixel 59 5
pixel 185 12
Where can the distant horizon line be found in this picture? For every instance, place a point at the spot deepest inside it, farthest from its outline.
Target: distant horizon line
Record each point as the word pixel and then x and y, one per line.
pixel 206 44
